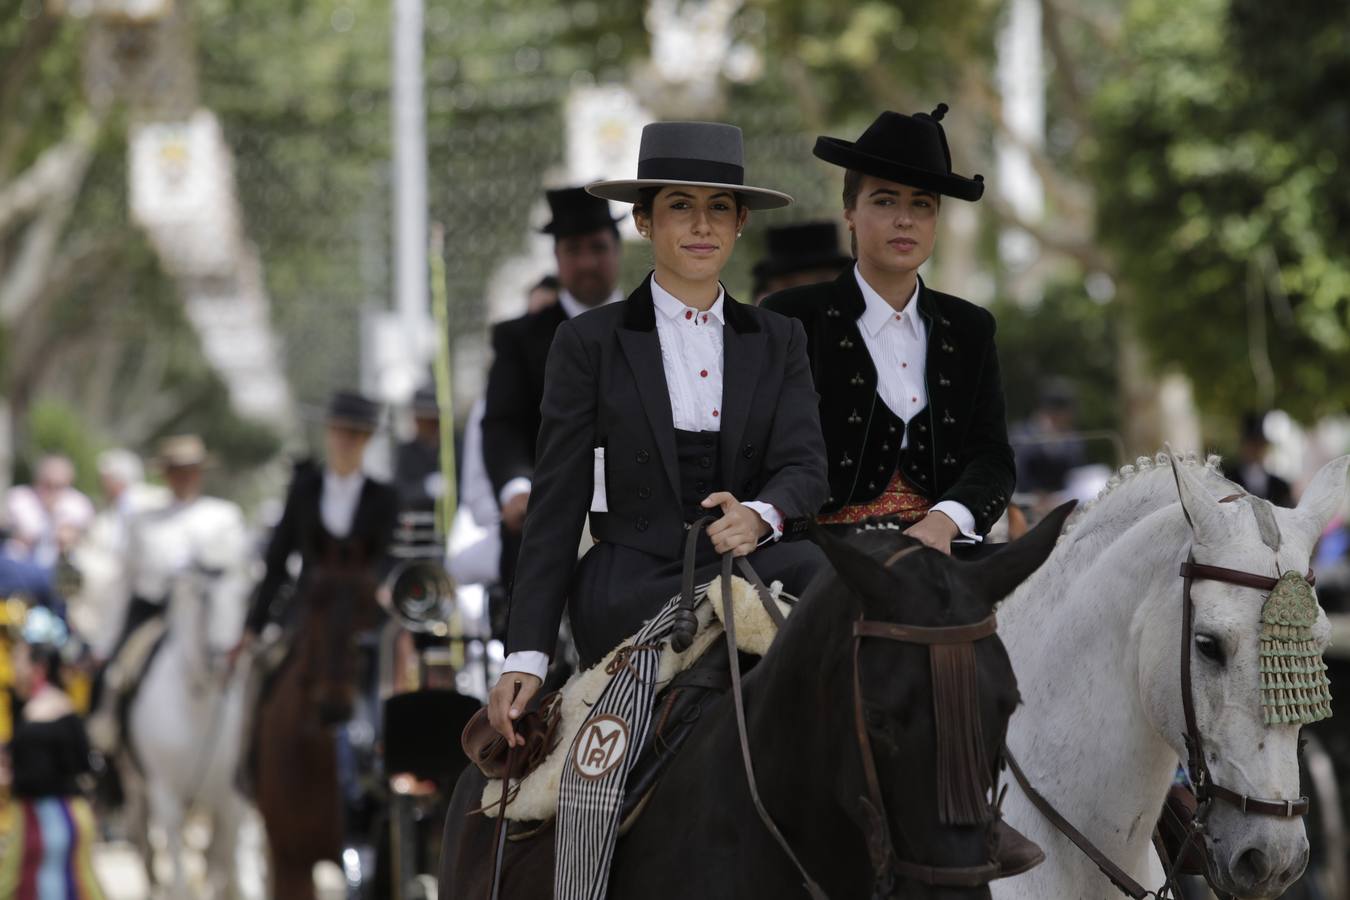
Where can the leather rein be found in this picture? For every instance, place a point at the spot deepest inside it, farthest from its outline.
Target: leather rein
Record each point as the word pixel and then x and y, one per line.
pixel 1206 789
pixel 886 863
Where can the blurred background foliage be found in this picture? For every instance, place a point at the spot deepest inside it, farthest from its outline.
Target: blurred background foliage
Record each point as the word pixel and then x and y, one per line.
pixel 1193 169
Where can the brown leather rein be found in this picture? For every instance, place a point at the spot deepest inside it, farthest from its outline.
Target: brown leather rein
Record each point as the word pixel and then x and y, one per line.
pixel 1206 789
pixel 886 863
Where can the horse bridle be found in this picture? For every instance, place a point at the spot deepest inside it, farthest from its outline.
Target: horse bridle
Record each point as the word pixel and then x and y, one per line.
pixel 1206 789
pixel 886 863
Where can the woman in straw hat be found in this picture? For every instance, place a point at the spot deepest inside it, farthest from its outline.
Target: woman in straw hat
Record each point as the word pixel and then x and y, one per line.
pixel 910 395
pixel 678 403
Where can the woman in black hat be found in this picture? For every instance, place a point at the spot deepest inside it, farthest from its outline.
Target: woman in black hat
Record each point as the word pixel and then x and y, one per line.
pixel 910 395
pixel 675 404
pixel 335 515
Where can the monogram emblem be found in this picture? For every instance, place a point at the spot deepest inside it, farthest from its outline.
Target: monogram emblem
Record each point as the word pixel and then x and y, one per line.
pixel 601 746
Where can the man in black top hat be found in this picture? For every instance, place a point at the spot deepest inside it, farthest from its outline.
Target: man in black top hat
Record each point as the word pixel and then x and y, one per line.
pixel 1249 471
pixel 805 253
pixel 587 248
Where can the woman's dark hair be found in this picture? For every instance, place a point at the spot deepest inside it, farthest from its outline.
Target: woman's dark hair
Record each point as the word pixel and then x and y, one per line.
pixel 47 659
pixel 647 196
pixel 852 185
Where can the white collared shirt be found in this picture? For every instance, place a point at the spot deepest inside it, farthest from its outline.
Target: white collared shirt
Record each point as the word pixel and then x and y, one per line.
pixel 572 307
pixel 338 500
pixel 898 344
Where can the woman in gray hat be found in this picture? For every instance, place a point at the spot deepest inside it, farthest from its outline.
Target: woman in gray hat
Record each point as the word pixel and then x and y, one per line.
pixel 678 403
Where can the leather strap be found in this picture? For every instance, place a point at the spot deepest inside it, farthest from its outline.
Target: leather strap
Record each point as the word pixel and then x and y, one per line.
pixel 1194 570
pixel 733 659
pixel 686 620
pixel 915 634
pixel 1118 876
pixel 1205 787
pixel 499 832
pixel 765 595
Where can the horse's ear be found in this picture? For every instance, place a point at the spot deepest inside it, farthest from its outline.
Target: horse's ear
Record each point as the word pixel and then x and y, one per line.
pixel 1323 498
pixel 998 575
pixel 1202 511
pixel 866 577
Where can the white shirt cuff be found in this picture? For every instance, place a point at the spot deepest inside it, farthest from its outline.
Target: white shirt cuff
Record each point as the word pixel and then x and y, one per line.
pixel 771 516
pixel 963 518
pixel 514 488
pixel 531 662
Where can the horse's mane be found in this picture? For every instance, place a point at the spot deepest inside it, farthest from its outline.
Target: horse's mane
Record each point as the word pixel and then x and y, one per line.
pixel 1132 493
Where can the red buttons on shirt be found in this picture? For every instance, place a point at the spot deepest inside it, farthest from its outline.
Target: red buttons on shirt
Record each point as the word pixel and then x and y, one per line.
pixel 705 317
pixel 715 413
pixel 688 314
pixel 703 374
pixel 904 365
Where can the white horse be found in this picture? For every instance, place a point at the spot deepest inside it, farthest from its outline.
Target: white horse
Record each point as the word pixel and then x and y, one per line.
pixel 1095 637
pixel 185 724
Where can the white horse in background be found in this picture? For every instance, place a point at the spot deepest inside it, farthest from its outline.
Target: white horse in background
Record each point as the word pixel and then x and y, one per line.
pixel 185 724
pixel 1095 636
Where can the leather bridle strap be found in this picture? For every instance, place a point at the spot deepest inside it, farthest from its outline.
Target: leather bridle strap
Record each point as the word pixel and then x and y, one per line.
pixel 1119 877
pixel 1205 787
pixel 914 634
pixel 733 659
pixel 880 845
pixel 685 624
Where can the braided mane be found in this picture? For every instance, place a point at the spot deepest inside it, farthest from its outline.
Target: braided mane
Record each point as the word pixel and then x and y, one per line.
pixel 1129 478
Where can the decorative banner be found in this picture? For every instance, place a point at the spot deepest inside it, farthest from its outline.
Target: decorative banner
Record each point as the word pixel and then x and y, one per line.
pixel 182 194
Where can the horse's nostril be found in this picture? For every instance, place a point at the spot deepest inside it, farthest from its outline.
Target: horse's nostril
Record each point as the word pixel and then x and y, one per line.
pixel 1253 867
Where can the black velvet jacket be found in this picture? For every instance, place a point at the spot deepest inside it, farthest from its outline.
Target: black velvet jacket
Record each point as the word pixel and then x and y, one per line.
pixel 958 444
pixel 606 387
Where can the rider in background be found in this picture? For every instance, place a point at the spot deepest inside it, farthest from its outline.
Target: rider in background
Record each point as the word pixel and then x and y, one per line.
pixel 676 404
pixel 911 402
pixel 162 544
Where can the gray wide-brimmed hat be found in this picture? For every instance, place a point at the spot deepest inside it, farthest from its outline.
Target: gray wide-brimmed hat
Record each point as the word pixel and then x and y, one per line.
pixel 697 154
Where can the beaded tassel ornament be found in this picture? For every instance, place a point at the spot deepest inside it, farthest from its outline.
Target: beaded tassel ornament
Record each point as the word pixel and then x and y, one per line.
pixel 1294 685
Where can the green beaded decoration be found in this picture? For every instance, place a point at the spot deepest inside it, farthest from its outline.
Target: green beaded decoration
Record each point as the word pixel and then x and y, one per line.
pixel 1294 685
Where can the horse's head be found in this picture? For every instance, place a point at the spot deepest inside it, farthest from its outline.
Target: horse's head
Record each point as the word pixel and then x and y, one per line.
pixel 338 603
pixel 933 701
pixel 1239 642
pixel 209 603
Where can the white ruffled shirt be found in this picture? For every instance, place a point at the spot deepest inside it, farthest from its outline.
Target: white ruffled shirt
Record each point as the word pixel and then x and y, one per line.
pixel 898 343
pixel 691 355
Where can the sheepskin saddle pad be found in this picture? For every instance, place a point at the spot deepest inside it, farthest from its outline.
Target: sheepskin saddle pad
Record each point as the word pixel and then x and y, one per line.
pixel 536 795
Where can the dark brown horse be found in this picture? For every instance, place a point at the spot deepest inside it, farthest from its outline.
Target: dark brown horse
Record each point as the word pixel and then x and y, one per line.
pixel 699 835
pixel 295 752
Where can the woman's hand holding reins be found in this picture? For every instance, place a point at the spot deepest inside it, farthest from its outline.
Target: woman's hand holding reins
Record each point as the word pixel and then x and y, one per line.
pixel 739 530
pixel 508 700
pixel 935 530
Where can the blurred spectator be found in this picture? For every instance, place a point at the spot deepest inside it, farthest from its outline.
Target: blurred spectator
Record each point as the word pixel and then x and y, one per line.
pixel 478 559
pixel 806 253
pixel 46 519
pixel 26 580
pixel 417 463
pixel 1248 470
pixel 1047 445
pixel 47 832
pixel 544 294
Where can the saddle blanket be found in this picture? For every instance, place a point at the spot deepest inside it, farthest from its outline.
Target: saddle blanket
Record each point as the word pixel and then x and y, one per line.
pixel 536 795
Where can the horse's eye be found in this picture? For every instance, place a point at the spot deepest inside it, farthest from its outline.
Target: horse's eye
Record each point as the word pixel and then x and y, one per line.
pixel 1210 648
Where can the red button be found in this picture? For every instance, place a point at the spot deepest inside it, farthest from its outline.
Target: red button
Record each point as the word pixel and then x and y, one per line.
pixel 913 399
pixel 703 374
pixel 715 413
pixel 904 365
pixel 897 317
pixel 705 317
pixel 688 314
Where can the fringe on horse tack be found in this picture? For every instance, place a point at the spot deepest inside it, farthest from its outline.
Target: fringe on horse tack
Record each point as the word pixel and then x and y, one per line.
pixel 963 773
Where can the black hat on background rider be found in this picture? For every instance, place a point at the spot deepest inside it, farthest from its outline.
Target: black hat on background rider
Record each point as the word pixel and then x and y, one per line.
pixel 802 253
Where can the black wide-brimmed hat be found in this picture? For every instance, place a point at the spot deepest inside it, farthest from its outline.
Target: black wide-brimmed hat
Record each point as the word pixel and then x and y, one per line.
pixel 348 409
pixel 908 150
pixel 697 154
pixel 577 212
pixel 796 248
